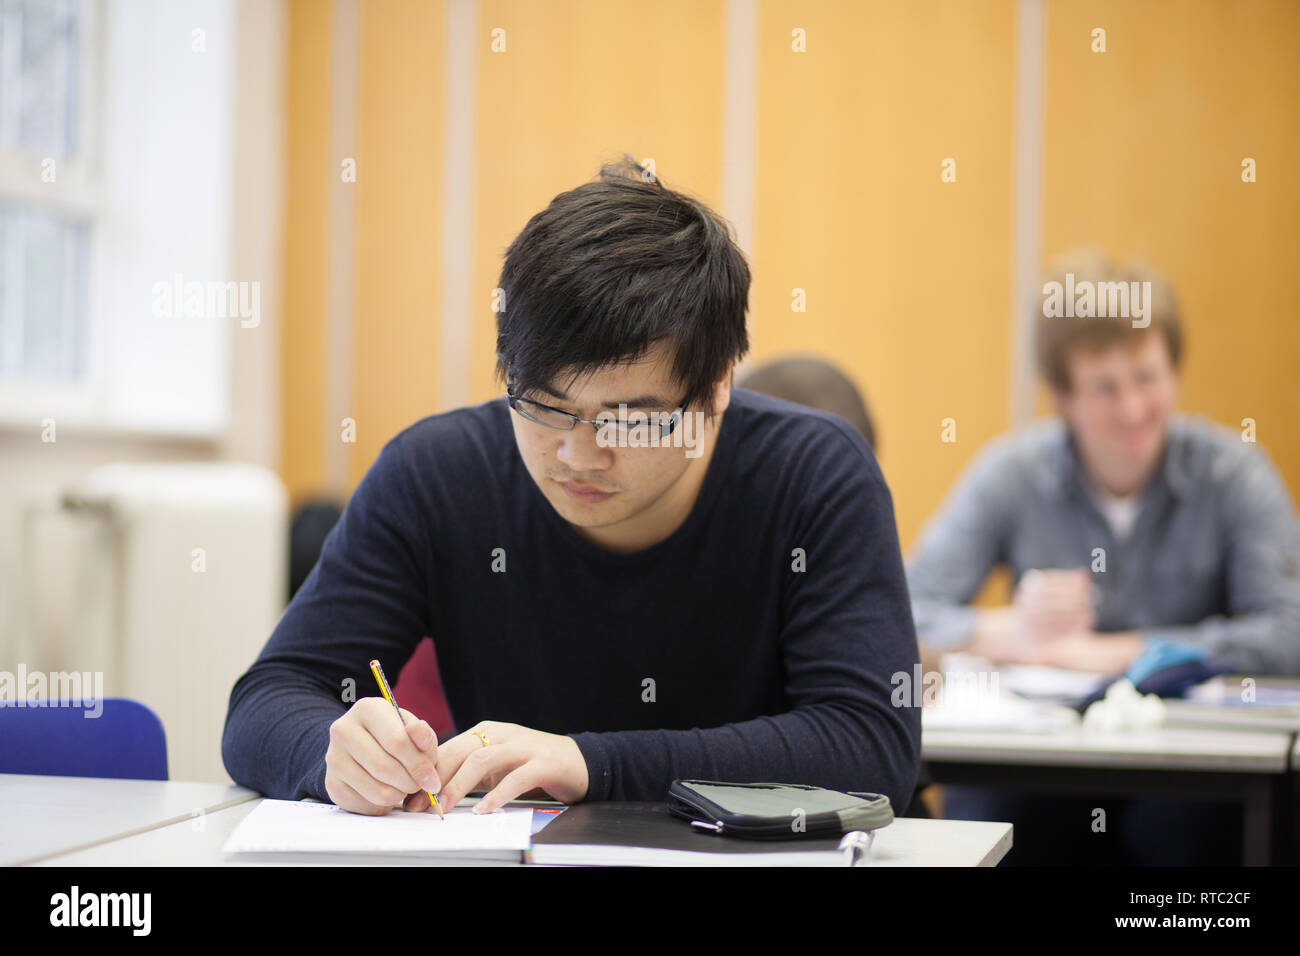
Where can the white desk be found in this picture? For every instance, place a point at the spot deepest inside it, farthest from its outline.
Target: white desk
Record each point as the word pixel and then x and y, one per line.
pixel 1168 748
pixel 41 816
pixel 905 842
pixel 1182 713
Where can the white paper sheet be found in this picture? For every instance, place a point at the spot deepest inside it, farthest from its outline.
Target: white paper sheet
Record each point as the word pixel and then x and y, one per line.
pixel 1007 713
pixel 292 826
pixel 1049 682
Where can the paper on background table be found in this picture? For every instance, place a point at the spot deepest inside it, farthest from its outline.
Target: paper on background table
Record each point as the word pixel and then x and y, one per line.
pixel 1009 713
pixel 1049 682
pixel 299 826
pixel 973 696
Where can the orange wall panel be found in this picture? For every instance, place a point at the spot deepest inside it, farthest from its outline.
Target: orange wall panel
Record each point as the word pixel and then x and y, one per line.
pixel 306 194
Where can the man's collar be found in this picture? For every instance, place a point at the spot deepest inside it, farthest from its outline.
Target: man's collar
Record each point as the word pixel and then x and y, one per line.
pixel 1061 467
pixel 1176 465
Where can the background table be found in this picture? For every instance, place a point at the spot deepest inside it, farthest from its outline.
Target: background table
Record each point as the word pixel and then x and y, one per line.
pixel 44 815
pixel 1250 767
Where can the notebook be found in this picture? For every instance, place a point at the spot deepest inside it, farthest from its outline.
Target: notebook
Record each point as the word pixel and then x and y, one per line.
pixel 301 826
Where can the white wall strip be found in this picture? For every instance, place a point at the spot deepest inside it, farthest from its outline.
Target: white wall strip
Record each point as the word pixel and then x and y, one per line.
pixel 740 119
pixel 459 303
pixel 340 301
pixel 1027 201
pixel 256 408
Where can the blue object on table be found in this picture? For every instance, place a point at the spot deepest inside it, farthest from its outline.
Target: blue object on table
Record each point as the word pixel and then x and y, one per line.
pixel 126 740
pixel 1166 668
pixel 1161 653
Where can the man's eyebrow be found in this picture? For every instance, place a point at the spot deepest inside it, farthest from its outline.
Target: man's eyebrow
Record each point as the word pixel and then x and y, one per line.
pixel 640 401
pixel 648 400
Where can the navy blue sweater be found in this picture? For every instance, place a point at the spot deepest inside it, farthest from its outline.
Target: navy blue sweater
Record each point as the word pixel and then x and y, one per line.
pixel 769 663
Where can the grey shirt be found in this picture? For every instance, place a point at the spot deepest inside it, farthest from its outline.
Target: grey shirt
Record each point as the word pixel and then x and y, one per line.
pixel 1212 558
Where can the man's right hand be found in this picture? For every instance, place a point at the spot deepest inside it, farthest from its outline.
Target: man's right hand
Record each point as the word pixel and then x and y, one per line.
pixel 374 765
pixel 1051 604
pixel 1048 605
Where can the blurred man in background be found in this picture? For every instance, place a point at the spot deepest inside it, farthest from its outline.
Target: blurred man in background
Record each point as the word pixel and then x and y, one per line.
pixel 1128 530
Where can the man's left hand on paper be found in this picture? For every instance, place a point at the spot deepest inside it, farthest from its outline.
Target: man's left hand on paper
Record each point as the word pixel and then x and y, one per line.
pixel 516 762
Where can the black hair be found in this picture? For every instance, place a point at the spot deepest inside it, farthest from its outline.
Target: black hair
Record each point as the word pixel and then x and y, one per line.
pixel 610 269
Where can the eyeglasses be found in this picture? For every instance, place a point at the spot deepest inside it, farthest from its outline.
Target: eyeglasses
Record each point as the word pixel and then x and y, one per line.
pixel 647 428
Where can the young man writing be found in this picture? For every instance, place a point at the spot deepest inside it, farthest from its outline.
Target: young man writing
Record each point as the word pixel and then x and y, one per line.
pixel 631 572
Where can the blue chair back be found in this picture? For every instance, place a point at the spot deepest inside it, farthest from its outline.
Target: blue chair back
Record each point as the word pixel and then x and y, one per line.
pixel 126 740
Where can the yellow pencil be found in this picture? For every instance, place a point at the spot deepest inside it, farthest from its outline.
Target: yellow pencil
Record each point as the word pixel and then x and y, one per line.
pixel 388 694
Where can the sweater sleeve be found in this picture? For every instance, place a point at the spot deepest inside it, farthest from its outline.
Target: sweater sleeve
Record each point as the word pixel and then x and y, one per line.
pixel 847 629
pixel 366 598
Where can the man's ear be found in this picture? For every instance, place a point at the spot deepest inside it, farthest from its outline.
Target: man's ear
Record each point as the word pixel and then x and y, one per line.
pixel 722 395
pixel 1060 402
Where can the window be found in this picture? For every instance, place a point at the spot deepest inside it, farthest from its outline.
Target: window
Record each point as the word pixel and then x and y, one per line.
pixel 118 145
pixel 47 197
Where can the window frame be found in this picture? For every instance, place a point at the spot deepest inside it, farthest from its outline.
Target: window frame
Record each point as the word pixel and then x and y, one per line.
pixel 76 195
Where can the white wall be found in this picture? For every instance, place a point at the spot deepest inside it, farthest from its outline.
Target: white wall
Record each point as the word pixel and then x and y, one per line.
pixel 240 404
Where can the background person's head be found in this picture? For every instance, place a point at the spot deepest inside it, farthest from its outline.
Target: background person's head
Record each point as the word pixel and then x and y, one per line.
pixel 1116 385
pixel 816 383
pixel 620 291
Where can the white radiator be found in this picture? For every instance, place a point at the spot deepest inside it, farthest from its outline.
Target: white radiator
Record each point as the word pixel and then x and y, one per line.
pixel 169 578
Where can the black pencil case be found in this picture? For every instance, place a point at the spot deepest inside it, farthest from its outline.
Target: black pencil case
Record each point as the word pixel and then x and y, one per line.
pixel 775 811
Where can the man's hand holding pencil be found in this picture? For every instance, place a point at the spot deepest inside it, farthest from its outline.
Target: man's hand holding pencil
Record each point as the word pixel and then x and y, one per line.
pixel 373 764
pixel 376 763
